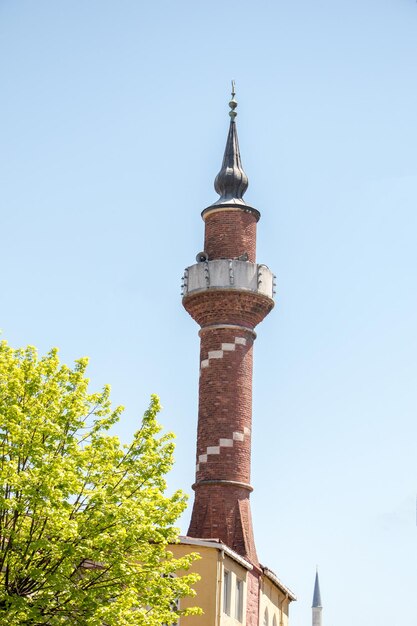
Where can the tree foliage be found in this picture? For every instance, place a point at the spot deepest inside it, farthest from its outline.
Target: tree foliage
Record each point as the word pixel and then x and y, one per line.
pixel 84 522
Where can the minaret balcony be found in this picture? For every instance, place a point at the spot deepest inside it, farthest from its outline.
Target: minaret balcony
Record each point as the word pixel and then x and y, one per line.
pixel 230 274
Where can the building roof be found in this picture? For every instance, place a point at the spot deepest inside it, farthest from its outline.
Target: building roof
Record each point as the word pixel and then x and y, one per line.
pixel 218 545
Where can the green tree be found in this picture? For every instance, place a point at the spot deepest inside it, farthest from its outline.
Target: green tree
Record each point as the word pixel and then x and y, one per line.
pixel 84 522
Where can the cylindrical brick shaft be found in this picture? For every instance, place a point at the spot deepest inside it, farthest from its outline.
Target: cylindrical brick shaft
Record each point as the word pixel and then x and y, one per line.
pixel 230 233
pixel 221 507
pixel 223 458
pixel 225 404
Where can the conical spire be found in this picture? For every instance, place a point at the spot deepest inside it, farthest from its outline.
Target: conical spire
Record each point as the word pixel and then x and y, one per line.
pixel 231 182
pixel 316 595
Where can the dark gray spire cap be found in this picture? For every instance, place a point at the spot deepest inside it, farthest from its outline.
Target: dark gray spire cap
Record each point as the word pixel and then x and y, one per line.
pixel 231 182
pixel 316 596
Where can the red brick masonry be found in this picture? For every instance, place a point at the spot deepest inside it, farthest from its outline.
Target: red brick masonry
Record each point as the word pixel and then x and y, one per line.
pixel 230 233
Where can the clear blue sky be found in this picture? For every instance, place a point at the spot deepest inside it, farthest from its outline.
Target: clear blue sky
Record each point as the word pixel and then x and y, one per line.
pixel 113 124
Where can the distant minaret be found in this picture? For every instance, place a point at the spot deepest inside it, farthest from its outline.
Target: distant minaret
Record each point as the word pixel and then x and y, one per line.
pixel 316 606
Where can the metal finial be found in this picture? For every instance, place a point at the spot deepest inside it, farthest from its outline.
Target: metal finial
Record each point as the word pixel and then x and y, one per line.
pixel 233 103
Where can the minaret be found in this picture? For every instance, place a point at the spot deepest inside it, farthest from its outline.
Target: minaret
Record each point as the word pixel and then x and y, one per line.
pixel 227 293
pixel 316 607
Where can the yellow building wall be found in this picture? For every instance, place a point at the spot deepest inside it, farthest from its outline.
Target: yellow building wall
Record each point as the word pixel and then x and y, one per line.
pixel 275 601
pixel 206 587
pixel 209 589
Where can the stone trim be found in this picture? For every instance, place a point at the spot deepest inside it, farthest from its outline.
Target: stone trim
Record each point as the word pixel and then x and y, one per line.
pixel 222 443
pixel 227 483
pixel 218 354
pixel 227 327
pixel 230 207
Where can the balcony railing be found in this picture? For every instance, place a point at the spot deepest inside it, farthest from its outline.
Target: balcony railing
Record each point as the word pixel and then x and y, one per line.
pixel 228 274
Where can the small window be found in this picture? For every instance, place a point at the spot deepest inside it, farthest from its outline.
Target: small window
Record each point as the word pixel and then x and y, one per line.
pixel 226 592
pixel 266 618
pixel 239 600
pixel 274 621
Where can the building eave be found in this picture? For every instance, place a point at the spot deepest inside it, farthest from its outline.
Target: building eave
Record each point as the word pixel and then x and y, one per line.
pixel 274 578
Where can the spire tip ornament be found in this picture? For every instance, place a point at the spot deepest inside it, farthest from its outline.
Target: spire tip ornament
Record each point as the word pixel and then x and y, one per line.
pixel 233 103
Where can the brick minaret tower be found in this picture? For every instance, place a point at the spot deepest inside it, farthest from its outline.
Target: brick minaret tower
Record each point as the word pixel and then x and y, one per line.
pixel 227 293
